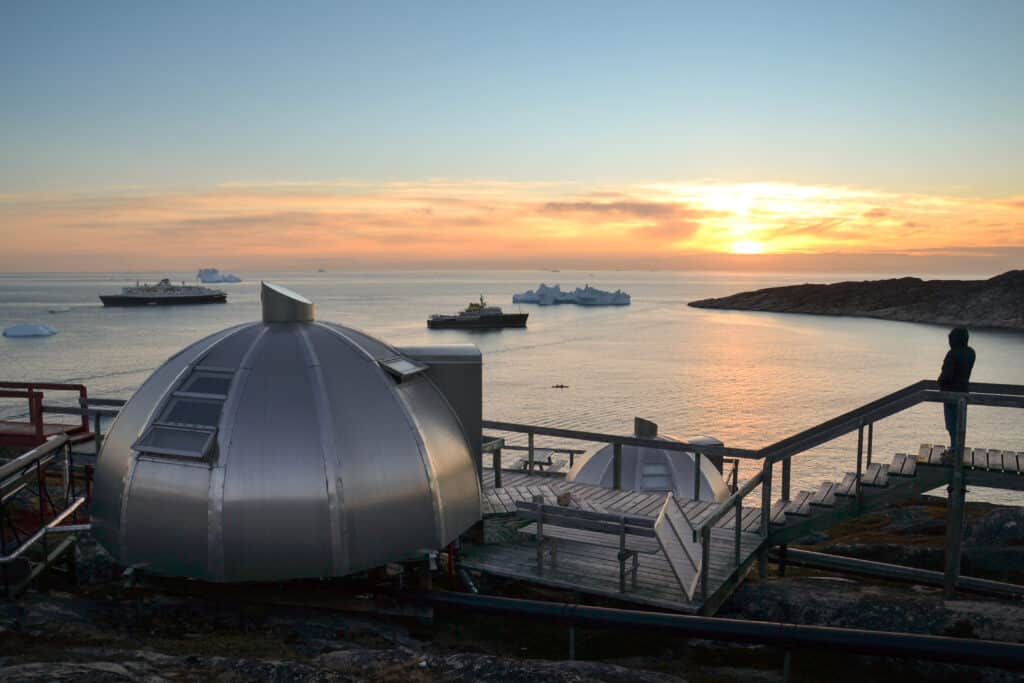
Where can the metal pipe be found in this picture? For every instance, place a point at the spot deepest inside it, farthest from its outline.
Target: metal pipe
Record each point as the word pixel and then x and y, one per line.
pixel 788 636
pixel 42 533
pixel 467 581
pixel 596 437
pixel 895 572
pixel 32 456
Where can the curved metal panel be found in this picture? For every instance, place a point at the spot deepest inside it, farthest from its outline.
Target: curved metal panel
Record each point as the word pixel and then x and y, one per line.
pixel 455 484
pixel 116 458
pixel 325 463
pixel 275 522
pixel 389 511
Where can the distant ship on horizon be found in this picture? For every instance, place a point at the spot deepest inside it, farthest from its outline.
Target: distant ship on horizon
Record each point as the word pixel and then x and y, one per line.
pixel 164 294
pixel 478 316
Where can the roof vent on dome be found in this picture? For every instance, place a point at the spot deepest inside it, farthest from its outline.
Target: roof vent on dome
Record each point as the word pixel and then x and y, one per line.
pixel 282 305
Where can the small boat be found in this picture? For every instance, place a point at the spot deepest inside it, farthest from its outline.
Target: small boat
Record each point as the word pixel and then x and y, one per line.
pixel 478 316
pixel 164 294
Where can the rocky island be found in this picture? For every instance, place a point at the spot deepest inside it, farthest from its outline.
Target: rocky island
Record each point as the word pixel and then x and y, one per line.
pixel 996 302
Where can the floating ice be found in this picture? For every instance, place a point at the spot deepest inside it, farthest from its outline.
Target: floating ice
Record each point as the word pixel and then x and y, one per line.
pixel 582 296
pixel 214 275
pixel 29 331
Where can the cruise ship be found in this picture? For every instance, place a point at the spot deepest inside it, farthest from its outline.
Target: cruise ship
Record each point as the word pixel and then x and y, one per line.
pixel 478 316
pixel 164 294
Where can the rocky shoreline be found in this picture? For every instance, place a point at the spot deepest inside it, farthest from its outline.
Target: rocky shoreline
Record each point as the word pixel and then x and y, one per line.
pixel 98 627
pixel 994 303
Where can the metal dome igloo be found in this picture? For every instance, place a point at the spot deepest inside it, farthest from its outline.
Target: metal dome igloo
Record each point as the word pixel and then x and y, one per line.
pixel 655 469
pixel 291 448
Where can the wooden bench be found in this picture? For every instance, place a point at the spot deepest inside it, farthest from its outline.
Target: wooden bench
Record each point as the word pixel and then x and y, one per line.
pixel 632 536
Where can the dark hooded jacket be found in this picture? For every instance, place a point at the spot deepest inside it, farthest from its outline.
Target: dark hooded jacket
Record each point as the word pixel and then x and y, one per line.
pixel 959 361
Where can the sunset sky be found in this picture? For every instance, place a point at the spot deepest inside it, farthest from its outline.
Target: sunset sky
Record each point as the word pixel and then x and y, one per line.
pixel 859 136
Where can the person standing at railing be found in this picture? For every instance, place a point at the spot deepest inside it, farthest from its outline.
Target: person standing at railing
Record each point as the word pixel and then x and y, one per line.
pixel 956 376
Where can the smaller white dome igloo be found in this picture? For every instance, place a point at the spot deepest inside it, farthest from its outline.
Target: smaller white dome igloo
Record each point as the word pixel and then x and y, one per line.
pixel 654 469
pixel 291 448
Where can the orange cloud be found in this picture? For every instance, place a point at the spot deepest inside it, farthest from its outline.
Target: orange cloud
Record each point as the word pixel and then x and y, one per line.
pixel 452 223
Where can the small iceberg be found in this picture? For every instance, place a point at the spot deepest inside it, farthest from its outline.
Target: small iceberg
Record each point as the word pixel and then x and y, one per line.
pixel 29 331
pixel 207 275
pixel 62 309
pixel 581 296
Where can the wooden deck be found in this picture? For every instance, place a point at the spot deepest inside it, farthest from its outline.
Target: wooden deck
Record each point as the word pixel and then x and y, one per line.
pixel 593 569
pixel 522 486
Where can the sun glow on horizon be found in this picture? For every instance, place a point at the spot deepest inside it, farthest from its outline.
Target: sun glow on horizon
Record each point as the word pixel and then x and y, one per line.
pixel 747 247
pixel 470 222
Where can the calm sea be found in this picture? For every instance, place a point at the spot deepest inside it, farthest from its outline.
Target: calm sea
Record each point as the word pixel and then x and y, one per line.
pixel 748 379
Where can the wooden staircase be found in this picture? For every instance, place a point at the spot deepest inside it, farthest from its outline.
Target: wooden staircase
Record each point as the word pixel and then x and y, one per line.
pixel 908 475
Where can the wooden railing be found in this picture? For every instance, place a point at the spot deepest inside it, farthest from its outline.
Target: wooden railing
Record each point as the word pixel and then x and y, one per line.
pixel 862 421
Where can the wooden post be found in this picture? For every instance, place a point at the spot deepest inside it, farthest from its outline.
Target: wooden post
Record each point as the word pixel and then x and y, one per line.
pixel 617 466
pixel 496 466
pixel 529 449
pixel 860 464
pixel 96 431
pixel 705 562
pixel 787 466
pixel 739 528
pixel 766 514
pixel 871 438
pixel 957 491
pixel 539 502
pixel 622 554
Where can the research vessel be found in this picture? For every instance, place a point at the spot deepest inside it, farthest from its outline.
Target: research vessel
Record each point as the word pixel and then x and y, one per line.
pixel 478 316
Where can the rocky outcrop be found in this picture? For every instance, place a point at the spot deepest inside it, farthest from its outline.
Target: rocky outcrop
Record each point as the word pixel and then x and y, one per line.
pixel 996 302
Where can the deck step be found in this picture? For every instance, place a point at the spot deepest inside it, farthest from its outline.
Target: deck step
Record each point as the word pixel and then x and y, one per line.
pixel 930 455
pixel 876 475
pixel 848 486
pixel 778 513
pixel 903 465
pixel 825 495
pixel 800 505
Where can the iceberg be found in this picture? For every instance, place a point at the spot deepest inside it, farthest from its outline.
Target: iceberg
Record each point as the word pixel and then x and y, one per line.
pixel 213 275
pixel 29 330
pixel 581 296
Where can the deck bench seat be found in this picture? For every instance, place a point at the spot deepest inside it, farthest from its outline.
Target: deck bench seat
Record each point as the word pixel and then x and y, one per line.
pixel 631 535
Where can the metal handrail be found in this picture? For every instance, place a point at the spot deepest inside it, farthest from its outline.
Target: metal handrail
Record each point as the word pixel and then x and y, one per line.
pixel 706 449
pixel 33 456
pixel 724 507
pixel 52 527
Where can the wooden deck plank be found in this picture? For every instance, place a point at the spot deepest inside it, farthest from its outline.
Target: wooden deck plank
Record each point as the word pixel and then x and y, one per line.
pixel 800 504
pixel 848 486
pixel 899 461
pixel 824 495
